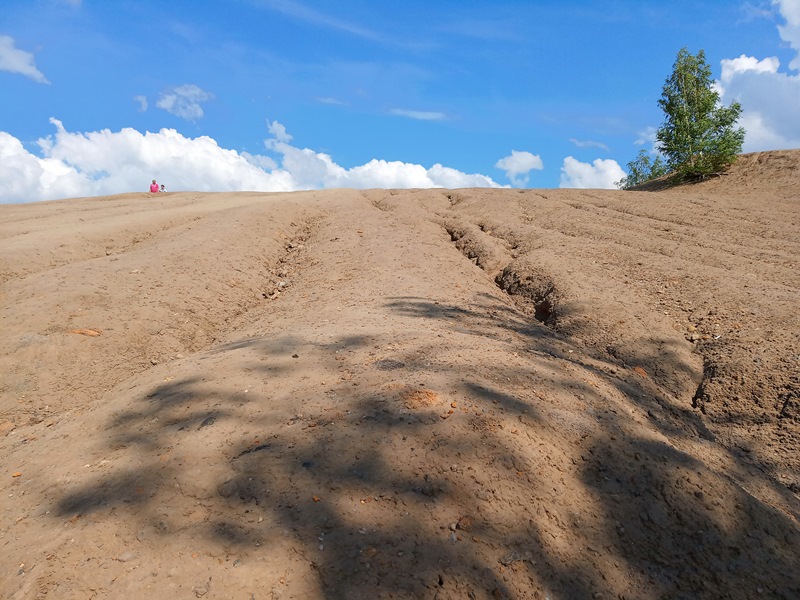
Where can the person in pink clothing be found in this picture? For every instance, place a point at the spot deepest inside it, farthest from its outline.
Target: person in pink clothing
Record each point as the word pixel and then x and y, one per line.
pixel 154 186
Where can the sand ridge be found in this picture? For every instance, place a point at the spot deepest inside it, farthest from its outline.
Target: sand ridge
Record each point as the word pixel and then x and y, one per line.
pixel 404 393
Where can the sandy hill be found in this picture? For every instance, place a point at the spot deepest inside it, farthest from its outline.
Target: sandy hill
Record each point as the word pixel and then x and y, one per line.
pixel 777 170
pixel 404 394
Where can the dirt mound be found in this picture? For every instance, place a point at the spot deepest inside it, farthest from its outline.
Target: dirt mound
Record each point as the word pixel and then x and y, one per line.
pixel 403 394
pixel 775 170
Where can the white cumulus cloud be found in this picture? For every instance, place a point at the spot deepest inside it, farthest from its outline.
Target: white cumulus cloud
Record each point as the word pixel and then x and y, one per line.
pixel 184 101
pixel 790 30
pixel 24 176
pixel 104 162
pixel 601 173
pixel 769 97
pixel 14 60
pixel 769 101
pixel 315 170
pixel 518 166
pixel 448 177
pixel 731 67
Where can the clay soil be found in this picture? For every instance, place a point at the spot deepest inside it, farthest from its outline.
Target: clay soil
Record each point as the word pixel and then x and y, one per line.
pixel 405 394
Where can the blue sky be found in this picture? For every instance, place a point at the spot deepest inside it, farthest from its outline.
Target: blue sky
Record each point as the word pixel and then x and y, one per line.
pixel 102 96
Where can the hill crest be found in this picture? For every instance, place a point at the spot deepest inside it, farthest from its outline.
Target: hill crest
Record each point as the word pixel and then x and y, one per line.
pixel 771 171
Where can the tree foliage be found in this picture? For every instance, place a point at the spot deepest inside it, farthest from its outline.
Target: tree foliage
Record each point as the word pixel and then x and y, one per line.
pixel 642 169
pixel 698 137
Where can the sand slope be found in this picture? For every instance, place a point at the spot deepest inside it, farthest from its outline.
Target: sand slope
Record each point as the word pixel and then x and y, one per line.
pixel 404 394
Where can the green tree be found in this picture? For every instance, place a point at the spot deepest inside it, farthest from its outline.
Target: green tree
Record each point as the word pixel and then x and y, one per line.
pixel 642 169
pixel 698 136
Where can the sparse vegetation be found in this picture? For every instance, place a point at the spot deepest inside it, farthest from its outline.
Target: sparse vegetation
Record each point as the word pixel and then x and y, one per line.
pixel 642 169
pixel 699 137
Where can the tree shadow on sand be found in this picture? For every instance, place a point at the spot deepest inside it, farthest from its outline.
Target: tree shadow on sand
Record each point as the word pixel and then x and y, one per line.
pixel 396 491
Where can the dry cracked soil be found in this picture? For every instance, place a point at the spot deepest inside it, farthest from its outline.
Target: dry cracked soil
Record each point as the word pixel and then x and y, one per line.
pixel 405 393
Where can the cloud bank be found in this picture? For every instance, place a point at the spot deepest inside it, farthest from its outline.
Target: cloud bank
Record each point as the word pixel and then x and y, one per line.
pixel 103 162
pixel 790 30
pixel 769 97
pixel 769 101
pixel 18 61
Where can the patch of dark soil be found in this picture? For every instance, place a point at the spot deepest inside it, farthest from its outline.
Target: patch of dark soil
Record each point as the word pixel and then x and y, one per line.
pixel 389 365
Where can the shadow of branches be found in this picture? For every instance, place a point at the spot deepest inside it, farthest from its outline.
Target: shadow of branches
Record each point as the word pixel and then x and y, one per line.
pixel 510 479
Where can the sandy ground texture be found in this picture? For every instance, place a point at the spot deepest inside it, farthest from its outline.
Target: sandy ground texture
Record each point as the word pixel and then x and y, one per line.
pixel 404 394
